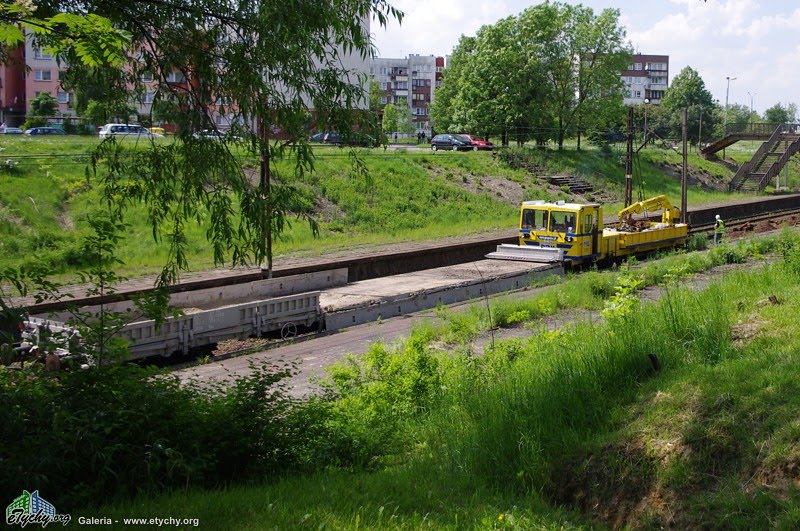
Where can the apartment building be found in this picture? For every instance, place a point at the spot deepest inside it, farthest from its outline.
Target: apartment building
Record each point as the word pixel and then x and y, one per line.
pixel 44 75
pixel 12 89
pixel 646 79
pixel 409 82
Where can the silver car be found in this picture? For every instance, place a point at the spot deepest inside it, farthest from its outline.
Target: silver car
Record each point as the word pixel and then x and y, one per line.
pixel 127 131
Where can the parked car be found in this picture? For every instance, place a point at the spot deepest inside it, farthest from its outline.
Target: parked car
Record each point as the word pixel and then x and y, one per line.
pixel 317 137
pixel 12 131
pixel 481 144
pixel 157 130
pixel 35 131
pixel 211 134
pixel 350 139
pixel 452 142
pixel 126 131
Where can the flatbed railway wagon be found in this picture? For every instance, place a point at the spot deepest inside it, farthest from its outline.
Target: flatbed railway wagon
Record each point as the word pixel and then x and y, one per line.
pixel 572 233
pixel 205 328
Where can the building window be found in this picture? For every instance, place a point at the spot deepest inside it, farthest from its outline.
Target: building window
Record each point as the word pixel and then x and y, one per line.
pixel 148 97
pixel 638 66
pixel 383 70
pixel 176 77
pixel 146 77
pixel 402 85
pixel 38 53
pixel 383 85
pixel 438 69
pixel 63 97
pixel 383 100
pixel 42 75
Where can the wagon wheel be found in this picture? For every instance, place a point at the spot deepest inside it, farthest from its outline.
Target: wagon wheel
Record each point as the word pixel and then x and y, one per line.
pixel 288 330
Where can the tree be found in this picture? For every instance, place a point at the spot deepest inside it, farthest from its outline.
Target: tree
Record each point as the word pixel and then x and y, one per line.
pixel 541 74
pixel 274 66
pixel 375 95
pixel 44 106
pixel 779 114
pixel 583 55
pixel 98 113
pixel 687 89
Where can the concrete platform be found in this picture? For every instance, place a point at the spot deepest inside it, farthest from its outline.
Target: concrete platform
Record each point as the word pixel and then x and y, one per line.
pixel 382 298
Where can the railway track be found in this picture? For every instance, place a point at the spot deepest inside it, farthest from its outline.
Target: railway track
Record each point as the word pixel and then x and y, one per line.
pixel 419 257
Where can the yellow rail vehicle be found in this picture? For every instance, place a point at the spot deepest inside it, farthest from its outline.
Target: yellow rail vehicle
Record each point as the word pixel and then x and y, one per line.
pixel 572 233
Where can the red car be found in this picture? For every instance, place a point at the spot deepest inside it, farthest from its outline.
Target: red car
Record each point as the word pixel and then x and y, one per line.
pixel 477 142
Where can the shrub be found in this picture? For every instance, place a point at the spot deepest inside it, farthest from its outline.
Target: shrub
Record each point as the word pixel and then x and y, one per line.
pixel 89 437
pixel 698 242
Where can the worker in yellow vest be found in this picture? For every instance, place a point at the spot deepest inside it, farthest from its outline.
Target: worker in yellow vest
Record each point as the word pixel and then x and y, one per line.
pixel 719 230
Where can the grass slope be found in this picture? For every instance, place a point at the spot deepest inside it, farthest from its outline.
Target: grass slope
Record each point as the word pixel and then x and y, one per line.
pixel 410 195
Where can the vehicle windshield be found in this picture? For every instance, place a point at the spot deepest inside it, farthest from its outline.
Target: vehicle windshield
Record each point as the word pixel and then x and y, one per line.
pixel 562 221
pixel 461 138
pixel 534 219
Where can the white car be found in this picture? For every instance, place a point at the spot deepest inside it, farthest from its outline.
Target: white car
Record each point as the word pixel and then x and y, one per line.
pixel 127 131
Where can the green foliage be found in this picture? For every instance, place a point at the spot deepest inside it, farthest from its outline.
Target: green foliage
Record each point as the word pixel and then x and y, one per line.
pixel 698 242
pixel 686 90
pixel 624 301
pixel 44 105
pixel 90 437
pixel 396 118
pixel 519 77
pixel 99 113
pixel 369 401
pixel 91 39
pixel 780 114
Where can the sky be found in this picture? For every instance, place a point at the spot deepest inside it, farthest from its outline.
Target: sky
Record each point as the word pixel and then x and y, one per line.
pixel 755 41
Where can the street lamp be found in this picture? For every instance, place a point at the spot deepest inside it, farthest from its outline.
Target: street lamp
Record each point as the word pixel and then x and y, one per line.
pixel 753 95
pixel 727 90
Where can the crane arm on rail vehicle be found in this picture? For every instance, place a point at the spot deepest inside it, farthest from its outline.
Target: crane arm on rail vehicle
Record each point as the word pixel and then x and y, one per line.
pixel 659 202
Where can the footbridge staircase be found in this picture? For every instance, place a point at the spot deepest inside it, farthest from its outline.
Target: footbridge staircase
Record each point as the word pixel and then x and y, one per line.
pixel 737 132
pixel 768 160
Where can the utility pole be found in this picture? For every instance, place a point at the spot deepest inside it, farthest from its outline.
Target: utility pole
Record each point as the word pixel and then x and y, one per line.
pixel 629 161
pixel 727 90
pixel 685 130
pixel 264 192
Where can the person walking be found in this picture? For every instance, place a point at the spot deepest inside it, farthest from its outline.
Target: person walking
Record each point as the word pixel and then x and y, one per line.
pixel 719 230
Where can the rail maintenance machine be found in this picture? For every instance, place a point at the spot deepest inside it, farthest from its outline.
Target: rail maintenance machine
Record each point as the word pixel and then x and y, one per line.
pixel 573 233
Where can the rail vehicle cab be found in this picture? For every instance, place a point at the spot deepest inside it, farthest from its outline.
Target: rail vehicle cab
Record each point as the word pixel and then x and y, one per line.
pixel 570 227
